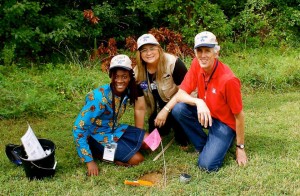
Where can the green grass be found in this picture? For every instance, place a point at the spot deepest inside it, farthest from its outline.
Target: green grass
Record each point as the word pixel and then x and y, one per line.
pixel 50 100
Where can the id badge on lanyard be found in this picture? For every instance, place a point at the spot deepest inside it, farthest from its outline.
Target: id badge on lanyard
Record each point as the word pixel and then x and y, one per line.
pixel 110 148
pixel 110 151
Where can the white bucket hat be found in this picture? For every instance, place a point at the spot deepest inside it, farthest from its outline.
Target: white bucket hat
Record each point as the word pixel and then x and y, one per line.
pixel 146 39
pixel 121 61
pixel 206 39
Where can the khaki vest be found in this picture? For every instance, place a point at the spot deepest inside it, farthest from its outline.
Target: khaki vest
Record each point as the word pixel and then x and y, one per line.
pixel 166 87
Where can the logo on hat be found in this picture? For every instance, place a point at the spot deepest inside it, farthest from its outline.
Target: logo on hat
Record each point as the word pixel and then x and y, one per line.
pixel 203 38
pixel 145 38
pixel 120 62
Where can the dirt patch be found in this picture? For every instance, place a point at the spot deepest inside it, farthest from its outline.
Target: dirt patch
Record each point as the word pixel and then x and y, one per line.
pixel 155 177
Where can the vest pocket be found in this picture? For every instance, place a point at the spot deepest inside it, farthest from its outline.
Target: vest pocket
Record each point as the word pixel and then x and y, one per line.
pixel 168 88
pixel 167 82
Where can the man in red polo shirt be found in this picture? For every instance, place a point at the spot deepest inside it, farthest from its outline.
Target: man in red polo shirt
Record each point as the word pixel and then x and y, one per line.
pixel 218 106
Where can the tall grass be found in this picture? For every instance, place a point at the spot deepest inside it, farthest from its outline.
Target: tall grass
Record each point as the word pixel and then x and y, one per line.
pixel 50 99
pixel 272 68
pixel 39 91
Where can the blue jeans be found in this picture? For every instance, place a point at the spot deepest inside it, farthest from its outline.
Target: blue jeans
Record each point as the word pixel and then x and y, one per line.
pixel 214 146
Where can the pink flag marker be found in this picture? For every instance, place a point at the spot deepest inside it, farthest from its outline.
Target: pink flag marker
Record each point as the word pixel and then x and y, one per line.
pixel 153 139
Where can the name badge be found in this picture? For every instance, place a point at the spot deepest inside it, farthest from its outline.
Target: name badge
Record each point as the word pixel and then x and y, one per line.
pixel 109 152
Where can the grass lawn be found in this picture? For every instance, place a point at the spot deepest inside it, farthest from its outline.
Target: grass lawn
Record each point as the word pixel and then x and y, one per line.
pixel 272 141
pixel 49 98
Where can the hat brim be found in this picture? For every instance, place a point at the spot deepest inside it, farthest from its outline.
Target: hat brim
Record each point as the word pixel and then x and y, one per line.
pixel 152 43
pixel 205 45
pixel 120 66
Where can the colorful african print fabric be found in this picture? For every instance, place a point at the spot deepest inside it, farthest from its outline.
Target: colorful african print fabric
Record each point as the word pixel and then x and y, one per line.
pixel 96 120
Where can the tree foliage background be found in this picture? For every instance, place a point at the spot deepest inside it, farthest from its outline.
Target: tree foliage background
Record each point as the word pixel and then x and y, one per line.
pixel 43 31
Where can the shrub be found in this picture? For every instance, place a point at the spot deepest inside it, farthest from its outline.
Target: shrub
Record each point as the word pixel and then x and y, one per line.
pixel 8 54
pixel 45 31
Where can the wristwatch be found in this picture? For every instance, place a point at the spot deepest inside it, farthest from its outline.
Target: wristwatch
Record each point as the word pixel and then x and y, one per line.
pixel 240 146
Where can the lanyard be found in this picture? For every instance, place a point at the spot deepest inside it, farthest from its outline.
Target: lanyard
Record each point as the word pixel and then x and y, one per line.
pixel 149 88
pixel 149 81
pixel 206 83
pixel 115 117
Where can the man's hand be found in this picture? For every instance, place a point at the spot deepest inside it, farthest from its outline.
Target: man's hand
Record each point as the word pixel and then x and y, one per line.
pixel 92 168
pixel 241 157
pixel 161 118
pixel 203 112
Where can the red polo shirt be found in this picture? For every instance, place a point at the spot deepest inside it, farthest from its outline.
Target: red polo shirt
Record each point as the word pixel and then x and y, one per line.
pixel 223 92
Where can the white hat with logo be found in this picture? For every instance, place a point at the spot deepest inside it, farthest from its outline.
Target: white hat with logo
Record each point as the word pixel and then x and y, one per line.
pixel 120 61
pixel 206 39
pixel 146 39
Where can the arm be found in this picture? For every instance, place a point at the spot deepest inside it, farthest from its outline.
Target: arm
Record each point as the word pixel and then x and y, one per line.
pixel 241 156
pixel 204 116
pixel 81 131
pixel 140 112
pixel 189 84
pixel 234 100
pixel 178 74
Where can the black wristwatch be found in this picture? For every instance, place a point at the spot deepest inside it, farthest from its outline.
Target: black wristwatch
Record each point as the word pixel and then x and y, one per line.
pixel 240 146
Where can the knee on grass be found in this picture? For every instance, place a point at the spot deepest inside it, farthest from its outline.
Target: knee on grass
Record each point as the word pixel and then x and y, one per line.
pixel 208 166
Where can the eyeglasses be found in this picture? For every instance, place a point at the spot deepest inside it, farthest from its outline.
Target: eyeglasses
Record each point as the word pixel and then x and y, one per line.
pixel 151 49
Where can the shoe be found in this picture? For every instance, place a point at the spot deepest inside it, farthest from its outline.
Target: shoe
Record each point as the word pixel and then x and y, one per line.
pixel 184 148
pixel 12 154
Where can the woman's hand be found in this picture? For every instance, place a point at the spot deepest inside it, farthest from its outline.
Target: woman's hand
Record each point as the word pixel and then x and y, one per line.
pixel 161 118
pixel 92 168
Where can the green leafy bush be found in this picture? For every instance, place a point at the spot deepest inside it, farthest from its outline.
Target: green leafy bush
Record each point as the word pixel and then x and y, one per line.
pixel 263 22
pixel 195 16
pixel 45 31
pixel 8 54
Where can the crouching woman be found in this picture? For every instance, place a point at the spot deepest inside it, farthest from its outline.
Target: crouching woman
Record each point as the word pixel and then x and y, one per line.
pixel 97 131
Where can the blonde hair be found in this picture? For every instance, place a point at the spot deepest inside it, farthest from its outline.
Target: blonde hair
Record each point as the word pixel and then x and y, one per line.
pixel 141 65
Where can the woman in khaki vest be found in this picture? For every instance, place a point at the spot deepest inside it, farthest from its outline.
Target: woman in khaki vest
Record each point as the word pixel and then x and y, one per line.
pixel 158 75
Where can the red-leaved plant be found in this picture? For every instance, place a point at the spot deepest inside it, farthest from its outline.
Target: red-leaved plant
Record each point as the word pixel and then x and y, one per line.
pixel 169 40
